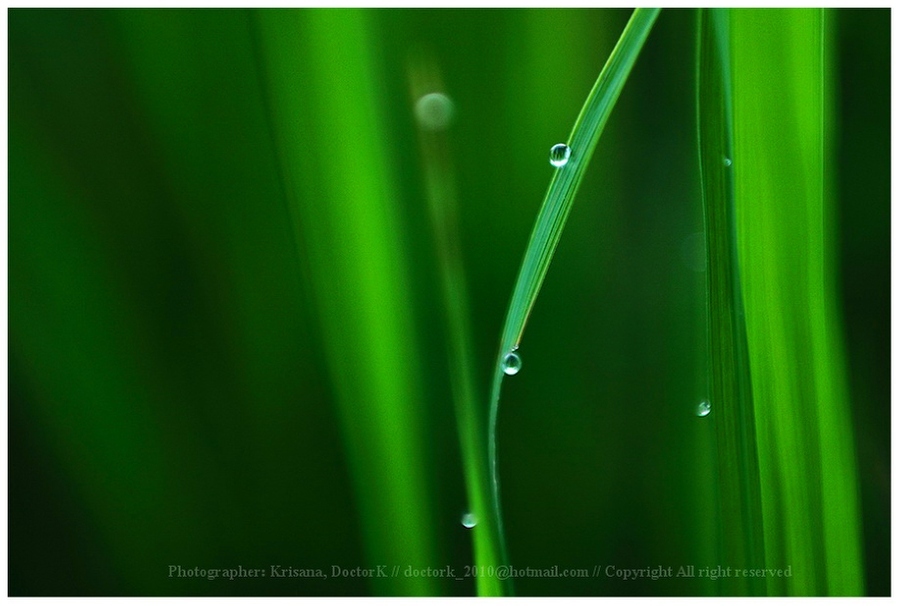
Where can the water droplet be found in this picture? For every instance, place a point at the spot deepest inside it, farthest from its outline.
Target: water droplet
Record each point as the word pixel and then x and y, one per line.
pixel 559 154
pixel 512 363
pixel 727 161
pixel 434 111
pixel 469 520
pixel 703 408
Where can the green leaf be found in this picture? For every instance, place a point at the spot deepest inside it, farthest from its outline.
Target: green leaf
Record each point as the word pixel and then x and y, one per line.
pixel 786 243
pixel 787 472
pixel 556 206
pixel 441 191
pixel 328 121
pixel 740 508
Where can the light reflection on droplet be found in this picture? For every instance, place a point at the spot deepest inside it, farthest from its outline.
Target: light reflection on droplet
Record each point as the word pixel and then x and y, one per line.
pixel 559 154
pixel 512 363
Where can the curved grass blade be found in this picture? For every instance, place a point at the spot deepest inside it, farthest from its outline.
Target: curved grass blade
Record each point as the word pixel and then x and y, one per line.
pixel 555 209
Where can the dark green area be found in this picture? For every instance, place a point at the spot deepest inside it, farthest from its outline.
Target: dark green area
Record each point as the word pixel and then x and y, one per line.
pixel 170 395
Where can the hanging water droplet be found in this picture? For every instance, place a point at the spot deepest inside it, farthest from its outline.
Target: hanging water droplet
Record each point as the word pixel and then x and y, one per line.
pixel 512 363
pixel 469 520
pixel 559 154
pixel 727 161
pixel 703 408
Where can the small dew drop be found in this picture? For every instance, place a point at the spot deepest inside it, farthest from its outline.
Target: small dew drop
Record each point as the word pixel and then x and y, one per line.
pixel 512 363
pixel 434 111
pixel 727 161
pixel 703 408
pixel 469 520
pixel 559 154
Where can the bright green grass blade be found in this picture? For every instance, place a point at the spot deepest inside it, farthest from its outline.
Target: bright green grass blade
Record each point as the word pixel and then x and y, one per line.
pixel 786 241
pixel 556 206
pixel 335 144
pixel 740 509
pixel 435 112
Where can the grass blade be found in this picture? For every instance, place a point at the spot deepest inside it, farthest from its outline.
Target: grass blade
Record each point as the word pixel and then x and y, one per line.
pixel 435 111
pixel 325 107
pixel 787 475
pixel 555 209
pixel 740 508
pixel 786 244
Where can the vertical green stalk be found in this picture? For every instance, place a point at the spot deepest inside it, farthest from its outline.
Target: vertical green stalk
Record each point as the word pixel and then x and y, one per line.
pixel 786 242
pixel 740 509
pixel 436 111
pixel 335 147
pixel 787 470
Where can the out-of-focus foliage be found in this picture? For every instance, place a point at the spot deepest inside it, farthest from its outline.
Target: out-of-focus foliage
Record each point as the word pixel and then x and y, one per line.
pixel 185 360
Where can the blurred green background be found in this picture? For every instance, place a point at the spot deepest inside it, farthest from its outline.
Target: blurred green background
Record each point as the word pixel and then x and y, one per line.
pixel 173 394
